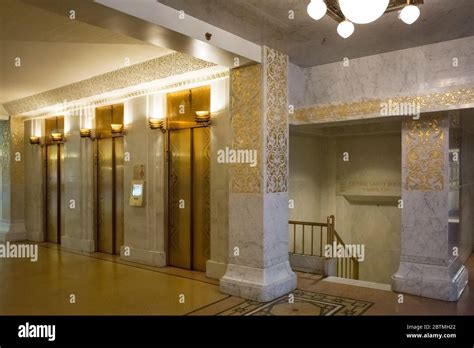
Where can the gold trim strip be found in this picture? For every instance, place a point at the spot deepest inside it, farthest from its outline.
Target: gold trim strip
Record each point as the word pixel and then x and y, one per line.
pixel 456 98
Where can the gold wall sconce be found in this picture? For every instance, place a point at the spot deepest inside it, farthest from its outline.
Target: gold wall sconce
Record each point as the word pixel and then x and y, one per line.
pixel 57 137
pixel 34 140
pixel 116 128
pixel 203 117
pixel 85 132
pixel 116 118
pixel 157 123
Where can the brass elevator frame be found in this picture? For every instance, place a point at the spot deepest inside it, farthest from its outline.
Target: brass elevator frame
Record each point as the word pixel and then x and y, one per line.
pixel 53 159
pixel 108 181
pixel 57 174
pixel 188 245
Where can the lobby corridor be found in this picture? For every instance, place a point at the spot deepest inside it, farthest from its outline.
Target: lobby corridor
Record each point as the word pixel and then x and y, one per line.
pixel 105 285
pixel 101 286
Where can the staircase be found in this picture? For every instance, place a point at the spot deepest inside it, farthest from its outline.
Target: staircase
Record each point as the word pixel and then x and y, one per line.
pixel 308 241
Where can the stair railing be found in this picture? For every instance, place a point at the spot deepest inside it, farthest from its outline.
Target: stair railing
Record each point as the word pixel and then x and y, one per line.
pixel 310 239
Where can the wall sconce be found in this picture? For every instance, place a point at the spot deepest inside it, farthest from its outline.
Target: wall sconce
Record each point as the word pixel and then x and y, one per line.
pixel 203 117
pixel 85 132
pixel 157 123
pixel 116 128
pixel 34 140
pixel 57 136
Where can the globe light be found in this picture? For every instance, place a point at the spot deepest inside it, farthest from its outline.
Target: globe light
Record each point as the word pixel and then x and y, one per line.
pixel 317 9
pixel 363 11
pixel 345 29
pixel 410 14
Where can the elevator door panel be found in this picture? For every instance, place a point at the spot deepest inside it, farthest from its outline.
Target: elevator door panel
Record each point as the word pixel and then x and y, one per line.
pixel 119 194
pixel 180 198
pixel 201 197
pixel 189 232
pixel 105 185
pixel 53 192
pixel 110 195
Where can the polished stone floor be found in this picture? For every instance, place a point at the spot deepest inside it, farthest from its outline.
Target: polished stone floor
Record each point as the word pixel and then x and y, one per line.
pixel 103 284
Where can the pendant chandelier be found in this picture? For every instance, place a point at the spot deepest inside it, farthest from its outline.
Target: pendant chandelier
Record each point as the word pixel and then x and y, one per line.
pixel 348 12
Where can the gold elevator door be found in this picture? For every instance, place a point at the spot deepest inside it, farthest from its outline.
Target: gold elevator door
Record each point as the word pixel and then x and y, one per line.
pixel 189 198
pixel 110 195
pixel 53 193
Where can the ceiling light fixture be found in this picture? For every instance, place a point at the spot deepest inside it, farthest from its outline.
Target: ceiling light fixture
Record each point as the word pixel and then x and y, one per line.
pixel 345 29
pixel 410 13
pixel 317 9
pixel 363 11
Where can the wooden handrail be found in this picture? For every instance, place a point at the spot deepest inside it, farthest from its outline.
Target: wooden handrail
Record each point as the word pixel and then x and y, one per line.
pixel 293 222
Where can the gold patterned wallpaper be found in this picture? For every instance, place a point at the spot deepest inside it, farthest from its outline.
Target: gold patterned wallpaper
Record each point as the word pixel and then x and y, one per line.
pixel 5 150
pixel 425 146
pixel 150 70
pixel 246 113
pixel 276 120
pixel 336 112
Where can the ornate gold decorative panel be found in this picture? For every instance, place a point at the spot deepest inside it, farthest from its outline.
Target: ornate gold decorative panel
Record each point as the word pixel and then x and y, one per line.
pixel 246 110
pixel 337 112
pixel 425 154
pixel 276 120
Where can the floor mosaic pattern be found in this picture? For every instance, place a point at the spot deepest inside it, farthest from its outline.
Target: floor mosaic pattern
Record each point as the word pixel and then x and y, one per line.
pixel 305 303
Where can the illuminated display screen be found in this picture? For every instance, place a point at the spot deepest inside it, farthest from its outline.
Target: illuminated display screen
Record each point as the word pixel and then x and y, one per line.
pixel 137 190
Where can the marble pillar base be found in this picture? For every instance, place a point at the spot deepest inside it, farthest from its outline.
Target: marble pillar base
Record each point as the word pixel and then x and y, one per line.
pixel 439 282
pixel 12 232
pixel 257 284
pixel 37 236
pixel 215 270
pixel 83 245
pixel 145 257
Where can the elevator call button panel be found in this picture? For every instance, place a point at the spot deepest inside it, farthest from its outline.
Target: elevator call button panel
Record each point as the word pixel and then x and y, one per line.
pixel 136 193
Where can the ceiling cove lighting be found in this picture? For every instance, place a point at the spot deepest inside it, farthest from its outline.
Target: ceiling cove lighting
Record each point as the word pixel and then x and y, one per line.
pixel 317 9
pixel 363 11
pixel 410 13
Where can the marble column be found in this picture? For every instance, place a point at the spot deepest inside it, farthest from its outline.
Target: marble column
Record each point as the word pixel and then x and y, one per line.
pixel 34 176
pixel 12 223
pixel 258 266
pixel 220 138
pixel 429 266
pixel 144 227
pixel 78 186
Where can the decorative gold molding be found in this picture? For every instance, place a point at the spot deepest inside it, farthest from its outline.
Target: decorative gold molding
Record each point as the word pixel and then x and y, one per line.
pixel 275 77
pixel 373 107
pixel 246 113
pixel 151 70
pixel 424 142
pixel 101 101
